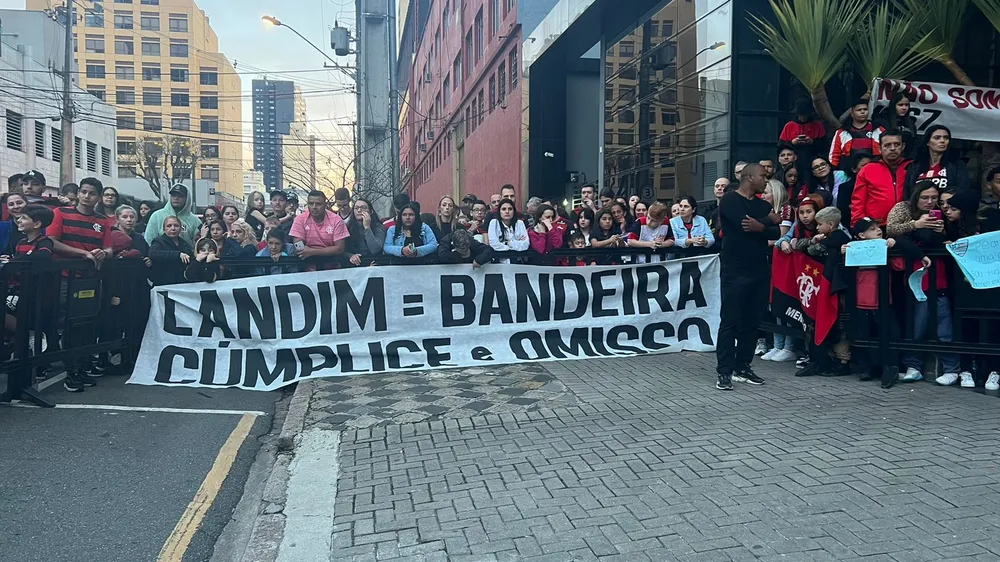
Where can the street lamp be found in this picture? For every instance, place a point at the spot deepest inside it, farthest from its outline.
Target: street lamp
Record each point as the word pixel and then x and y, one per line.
pixel 271 20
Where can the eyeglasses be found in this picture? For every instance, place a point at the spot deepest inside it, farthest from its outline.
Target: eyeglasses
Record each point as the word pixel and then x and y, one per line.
pixel 820 166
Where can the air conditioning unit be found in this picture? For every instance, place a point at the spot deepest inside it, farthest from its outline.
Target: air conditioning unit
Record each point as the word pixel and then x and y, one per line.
pixel 430 135
pixel 423 147
pixel 427 77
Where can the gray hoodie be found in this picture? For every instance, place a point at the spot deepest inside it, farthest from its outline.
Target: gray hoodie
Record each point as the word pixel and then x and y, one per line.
pixel 190 225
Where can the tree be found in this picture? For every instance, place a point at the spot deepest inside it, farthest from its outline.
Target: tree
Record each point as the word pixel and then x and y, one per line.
pixel 893 44
pixel 810 41
pixel 163 160
pixel 990 9
pixel 942 21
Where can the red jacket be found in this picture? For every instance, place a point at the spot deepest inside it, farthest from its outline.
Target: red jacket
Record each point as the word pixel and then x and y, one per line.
pixel 876 190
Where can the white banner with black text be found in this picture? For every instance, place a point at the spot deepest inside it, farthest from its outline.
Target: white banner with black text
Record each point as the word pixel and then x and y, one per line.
pixel 262 333
pixel 970 113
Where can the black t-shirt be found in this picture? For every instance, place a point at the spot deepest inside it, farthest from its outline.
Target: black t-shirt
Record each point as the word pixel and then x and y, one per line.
pixel 745 253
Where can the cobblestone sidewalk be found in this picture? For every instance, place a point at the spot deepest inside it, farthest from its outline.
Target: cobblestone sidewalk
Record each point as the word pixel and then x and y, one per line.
pixel 641 459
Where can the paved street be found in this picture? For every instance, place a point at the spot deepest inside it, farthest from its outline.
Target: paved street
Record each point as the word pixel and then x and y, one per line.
pixel 111 485
pixel 641 459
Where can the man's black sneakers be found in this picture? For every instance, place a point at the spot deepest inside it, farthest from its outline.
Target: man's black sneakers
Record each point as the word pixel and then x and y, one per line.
pixel 725 382
pixel 750 377
pixel 73 383
pixel 87 380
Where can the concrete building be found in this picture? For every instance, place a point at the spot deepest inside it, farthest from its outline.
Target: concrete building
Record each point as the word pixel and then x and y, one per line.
pixel 273 114
pixel 31 102
pixel 158 63
pixel 253 181
pixel 298 149
pixel 460 64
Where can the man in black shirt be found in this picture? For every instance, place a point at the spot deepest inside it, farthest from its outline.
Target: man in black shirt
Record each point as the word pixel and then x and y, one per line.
pixel 749 222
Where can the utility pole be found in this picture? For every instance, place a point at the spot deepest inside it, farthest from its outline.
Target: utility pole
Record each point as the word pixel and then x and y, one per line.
pixel 66 162
pixel 644 177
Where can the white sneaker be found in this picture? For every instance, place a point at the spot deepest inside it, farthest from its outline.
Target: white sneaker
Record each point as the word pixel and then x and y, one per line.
pixel 947 379
pixel 761 347
pixel 967 381
pixel 769 355
pixel 784 355
pixel 912 375
pixel 993 383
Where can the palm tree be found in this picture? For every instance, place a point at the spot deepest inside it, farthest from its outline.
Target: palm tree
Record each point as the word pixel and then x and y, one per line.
pixel 810 41
pixel 893 44
pixel 941 21
pixel 990 9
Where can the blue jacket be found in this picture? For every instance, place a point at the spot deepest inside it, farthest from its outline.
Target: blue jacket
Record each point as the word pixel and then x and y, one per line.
pixel 394 246
pixel 699 227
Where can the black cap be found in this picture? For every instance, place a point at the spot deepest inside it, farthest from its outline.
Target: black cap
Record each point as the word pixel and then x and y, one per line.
pixel 863 225
pixel 278 192
pixel 179 189
pixel 34 176
pixel 291 196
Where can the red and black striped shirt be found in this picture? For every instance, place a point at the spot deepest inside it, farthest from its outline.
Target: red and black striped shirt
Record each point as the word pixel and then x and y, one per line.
pixel 38 249
pixel 77 230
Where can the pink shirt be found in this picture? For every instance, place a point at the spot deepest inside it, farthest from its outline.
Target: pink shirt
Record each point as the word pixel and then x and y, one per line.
pixel 323 235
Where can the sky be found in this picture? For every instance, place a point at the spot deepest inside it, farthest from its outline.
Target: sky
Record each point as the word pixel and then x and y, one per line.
pixel 252 45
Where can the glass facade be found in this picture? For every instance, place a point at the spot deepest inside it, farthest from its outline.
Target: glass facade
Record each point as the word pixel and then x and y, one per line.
pixel 666 96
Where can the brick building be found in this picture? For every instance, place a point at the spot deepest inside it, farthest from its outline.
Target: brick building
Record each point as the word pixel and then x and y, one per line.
pixel 460 65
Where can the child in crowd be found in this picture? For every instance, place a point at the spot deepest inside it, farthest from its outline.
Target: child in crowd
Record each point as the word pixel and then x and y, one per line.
pixel 204 268
pixel 275 248
pixel 804 229
pixel 868 320
pixel 655 234
pixel 32 246
pixel 830 234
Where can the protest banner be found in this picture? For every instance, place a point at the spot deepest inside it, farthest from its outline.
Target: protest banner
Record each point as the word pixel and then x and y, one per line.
pixel 266 332
pixel 971 113
pixel 979 259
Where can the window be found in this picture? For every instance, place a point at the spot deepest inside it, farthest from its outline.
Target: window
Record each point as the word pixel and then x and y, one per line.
pixel 123 21
pixel 669 117
pixel 179 74
pixel 628 73
pixel 180 99
pixel 124 47
pixel 209 172
pixel 626 116
pixel 94 45
pixel 209 77
pixel 106 161
pixel 626 139
pixel 91 157
pixel 180 123
pixel 514 68
pixel 179 50
pixel 210 126
pixel 125 97
pixel 493 91
pixel 150 2
pixel 609 137
pixel 126 148
pixel 150 48
pixel 495 16
pixel 456 70
pixel 39 139
pixel 123 1
pixel 482 106
pixel 152 97
pixel 152 123
pixel 475 114
pixel 480 40
pixel 126 171
pixel 78 151
pixel 510 5
pixel 149 23
pixel 446 90
pixel 626 49
pixel 56 145
pixel 126 120
pixel 97 93
pixel 209 151
pixel 124 73
pixel 178 23
pixel 95 70
pixel 446 21
pixel 210 102
pixel 95 19
pixel 151 73
pixel 502 82
pixel 468 53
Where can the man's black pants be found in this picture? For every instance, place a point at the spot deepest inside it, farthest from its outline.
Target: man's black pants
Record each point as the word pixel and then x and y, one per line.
pixel 744 305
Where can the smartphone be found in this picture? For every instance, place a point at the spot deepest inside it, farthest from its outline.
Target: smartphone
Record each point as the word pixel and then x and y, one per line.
pixel 936 214
pixel 300 245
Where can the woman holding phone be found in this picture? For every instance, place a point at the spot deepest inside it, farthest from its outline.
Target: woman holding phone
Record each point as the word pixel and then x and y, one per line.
pixel 409 237
pixel 920 215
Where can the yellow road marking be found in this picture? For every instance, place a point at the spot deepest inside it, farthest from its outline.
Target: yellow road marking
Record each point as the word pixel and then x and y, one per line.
pixel 177 543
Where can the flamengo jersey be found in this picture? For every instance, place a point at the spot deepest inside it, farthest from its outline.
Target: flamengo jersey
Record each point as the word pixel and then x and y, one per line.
pixel 77 230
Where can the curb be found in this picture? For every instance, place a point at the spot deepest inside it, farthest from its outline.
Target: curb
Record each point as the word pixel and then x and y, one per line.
pixel 295 418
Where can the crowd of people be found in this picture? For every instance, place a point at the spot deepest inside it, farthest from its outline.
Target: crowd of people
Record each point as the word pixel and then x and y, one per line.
pixel 878 179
